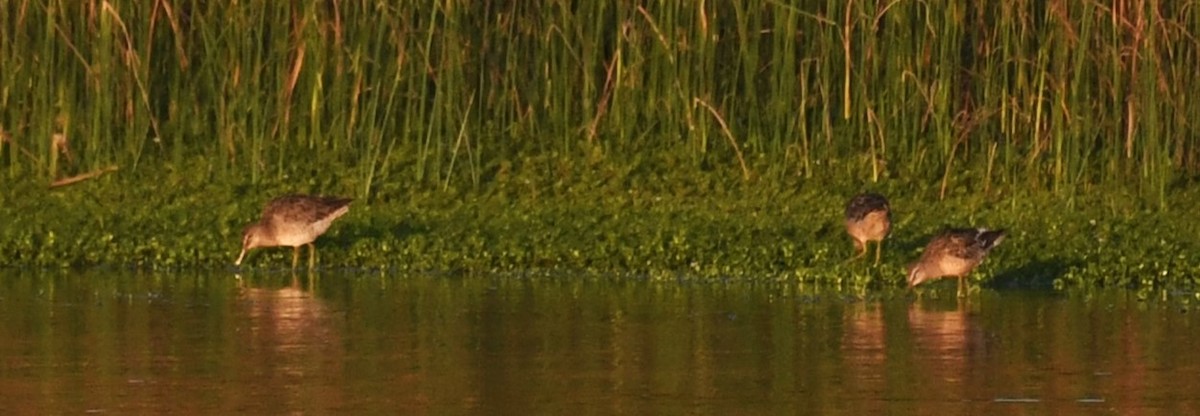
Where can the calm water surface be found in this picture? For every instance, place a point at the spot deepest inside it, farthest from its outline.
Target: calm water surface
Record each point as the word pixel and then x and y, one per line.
pixel 118 342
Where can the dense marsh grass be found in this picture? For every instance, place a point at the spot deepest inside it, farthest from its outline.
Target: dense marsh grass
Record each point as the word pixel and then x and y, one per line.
pixel 376 97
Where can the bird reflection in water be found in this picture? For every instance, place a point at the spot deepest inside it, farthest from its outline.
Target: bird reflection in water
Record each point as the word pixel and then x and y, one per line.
pixel 914 353
pixel 943 340
pixel 291 334
pixel 864 347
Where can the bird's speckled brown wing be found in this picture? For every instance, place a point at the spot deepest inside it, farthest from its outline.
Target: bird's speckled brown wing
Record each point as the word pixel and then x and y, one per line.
pixel 302 209
pixel 970 244
pixel 963 246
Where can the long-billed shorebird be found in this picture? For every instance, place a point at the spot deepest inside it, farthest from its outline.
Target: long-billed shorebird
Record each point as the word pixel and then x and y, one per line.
pixel 954 253
pixel 868 218
pixel 293 220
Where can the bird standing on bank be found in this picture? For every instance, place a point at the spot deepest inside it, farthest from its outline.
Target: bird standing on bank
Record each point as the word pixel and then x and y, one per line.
pixel 868 218
pixel 954 253
pixel 293 220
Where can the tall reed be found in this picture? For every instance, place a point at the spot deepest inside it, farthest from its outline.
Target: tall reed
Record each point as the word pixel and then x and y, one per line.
pixel 446 93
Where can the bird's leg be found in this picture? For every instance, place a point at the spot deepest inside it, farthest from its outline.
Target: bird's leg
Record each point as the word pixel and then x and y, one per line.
pixel 311 281
pixel 295 256
pixel 961 281
pixel 860 249
pixel 312 256
pixel 878 251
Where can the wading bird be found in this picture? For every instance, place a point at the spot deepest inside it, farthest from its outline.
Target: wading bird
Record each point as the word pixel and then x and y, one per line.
pixel 953 253
pixel 868 218
pixel 293 220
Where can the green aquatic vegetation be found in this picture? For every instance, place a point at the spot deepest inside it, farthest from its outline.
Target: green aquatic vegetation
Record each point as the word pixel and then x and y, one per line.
pixel 751 233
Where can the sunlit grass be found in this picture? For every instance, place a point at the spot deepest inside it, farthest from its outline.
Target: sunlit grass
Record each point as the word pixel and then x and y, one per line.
pixel 445 94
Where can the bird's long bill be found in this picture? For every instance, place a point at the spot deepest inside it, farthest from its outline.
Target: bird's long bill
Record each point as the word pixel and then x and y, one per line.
pixel 912 278
pixel 240 257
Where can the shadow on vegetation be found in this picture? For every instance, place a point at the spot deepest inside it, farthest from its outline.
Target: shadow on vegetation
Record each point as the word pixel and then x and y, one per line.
pixel 1039 274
